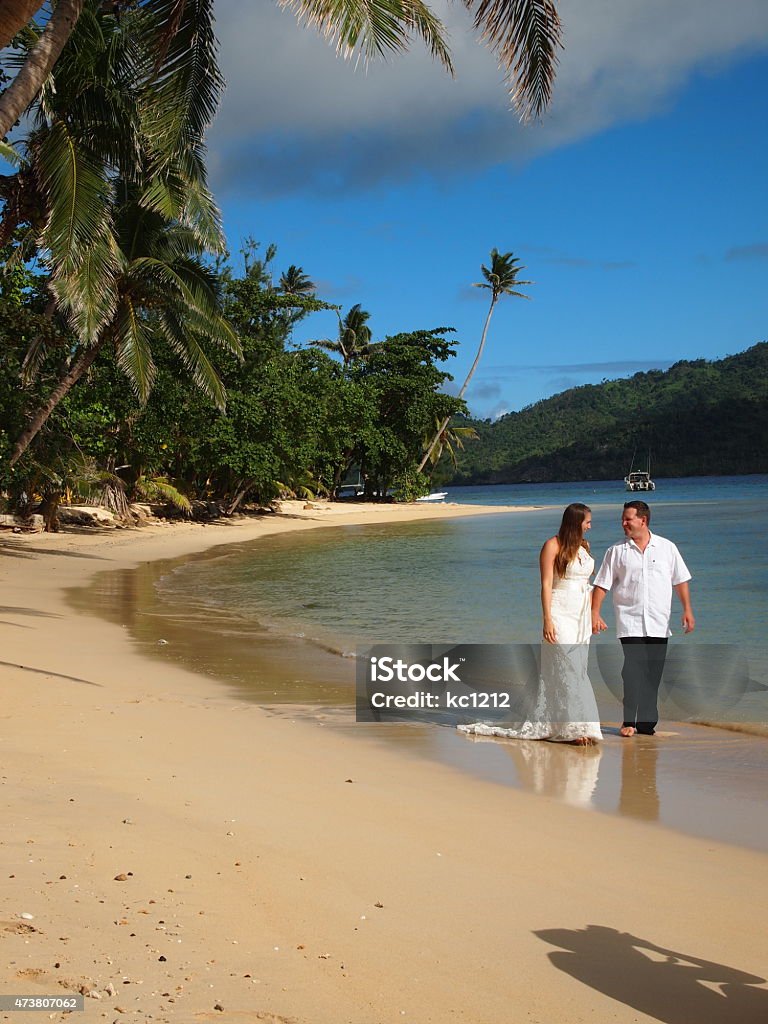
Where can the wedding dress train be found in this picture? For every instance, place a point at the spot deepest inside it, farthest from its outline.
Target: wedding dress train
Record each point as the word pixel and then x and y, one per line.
pixel 566 709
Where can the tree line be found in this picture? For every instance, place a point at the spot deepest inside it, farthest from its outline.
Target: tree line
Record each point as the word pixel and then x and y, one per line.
pixel 296 418
pixel 135 359
pixel 697 418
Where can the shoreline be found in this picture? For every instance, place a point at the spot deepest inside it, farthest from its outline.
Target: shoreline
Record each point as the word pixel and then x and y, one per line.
pixel 238 832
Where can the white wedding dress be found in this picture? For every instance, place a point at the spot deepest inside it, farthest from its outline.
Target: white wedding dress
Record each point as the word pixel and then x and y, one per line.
pixel 566 709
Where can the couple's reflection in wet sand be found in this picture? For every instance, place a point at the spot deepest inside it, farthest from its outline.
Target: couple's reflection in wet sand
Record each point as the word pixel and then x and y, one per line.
pixel 570 773
pixel 555 769
pixel 639 796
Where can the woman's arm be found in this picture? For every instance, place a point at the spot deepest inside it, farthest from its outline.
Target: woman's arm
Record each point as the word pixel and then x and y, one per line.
pixel 547 570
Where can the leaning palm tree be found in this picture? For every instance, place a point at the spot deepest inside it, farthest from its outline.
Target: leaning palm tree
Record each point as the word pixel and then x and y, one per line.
pixel 500 279
pixel 110 193
pixel 354 341
pixel 523 34
pixel 161 290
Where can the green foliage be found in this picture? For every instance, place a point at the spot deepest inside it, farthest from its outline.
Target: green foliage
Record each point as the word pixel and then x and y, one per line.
pixel 295 421
pixel 698 418
pixel 410 485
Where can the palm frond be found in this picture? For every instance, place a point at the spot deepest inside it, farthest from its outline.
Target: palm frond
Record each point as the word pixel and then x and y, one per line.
pixel 160 488
pixel 525 36
pixel 328 345
pixel 132 346
pixel 197 298
pixel 164 195
pixel 87 293
pixel 11 155
pixel 501 275
pixel 200 211
pixel 184 87
pixel 294 281
pixel 78 192
pixel 193 355
pixel 180 194
pixel 373 28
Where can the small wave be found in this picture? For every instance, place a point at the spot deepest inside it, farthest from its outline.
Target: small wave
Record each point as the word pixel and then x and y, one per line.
pixel 748 728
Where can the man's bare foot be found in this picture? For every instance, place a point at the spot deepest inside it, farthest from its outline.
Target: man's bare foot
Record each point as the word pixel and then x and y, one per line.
pixel 627 731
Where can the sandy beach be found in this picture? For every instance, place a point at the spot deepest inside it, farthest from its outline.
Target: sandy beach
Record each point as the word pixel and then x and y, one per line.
pixel 184 856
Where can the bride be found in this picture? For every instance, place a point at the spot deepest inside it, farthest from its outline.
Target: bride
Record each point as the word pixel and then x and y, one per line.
pixel 566 709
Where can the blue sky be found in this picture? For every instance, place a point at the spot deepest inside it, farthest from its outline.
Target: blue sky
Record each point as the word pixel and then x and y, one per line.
pixel 637 204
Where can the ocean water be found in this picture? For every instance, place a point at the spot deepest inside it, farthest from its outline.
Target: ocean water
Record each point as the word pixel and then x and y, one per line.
pixel 278 622
pixel 475 580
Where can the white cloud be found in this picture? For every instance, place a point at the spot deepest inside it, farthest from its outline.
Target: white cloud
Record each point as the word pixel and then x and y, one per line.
pixel 296 117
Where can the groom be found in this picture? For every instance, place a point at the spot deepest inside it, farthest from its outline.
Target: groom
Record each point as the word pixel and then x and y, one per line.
pixel 642 571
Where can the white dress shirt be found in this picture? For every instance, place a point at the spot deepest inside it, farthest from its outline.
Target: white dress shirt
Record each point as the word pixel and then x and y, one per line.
pixel 641 585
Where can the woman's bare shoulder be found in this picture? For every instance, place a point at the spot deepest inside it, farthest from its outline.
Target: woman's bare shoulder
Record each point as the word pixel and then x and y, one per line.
pixel 551 546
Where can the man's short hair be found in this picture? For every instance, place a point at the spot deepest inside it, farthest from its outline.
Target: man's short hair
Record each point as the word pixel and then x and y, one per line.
pixel 640 507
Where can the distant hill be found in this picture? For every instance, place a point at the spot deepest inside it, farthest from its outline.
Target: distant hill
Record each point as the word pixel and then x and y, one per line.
pixel 697 418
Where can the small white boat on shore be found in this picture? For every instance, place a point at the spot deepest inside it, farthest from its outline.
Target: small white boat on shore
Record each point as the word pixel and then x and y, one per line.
pixel 434 496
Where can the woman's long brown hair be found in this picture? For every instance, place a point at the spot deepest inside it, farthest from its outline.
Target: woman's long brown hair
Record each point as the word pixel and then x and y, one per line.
pixel 570 536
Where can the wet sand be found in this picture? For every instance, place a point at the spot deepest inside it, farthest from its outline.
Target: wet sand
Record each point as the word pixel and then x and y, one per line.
pixel 703 781
pixel 189 857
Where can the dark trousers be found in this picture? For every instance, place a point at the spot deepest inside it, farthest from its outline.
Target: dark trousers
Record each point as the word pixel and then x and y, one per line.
pixel 644 658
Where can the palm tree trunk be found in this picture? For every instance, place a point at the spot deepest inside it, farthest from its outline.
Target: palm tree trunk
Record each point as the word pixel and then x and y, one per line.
pixel 14 15
pixel 36 68
pixel 62 389
pixel 243 488
pixel 464 386
pixel 473 367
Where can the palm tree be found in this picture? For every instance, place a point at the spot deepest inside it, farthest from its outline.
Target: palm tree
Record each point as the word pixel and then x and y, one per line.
pixel 160 290
pixel 112 111
pixel 354 341
pixel 294 281
pixel 500 279
pixel 523 34
pixel 451 440
pixel 111 194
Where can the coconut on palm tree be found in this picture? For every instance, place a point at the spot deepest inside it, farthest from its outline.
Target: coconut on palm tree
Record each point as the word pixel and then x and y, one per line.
pixel 500 279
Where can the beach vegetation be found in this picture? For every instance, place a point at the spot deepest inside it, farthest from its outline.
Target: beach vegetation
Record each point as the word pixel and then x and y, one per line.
pixel 500 278
pixel 296 418
pixel 410 485
pixel 110 198
pixel 450 440
pixel 355 336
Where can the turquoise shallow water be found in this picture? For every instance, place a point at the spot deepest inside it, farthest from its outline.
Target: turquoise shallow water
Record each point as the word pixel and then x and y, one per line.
pixel 475 580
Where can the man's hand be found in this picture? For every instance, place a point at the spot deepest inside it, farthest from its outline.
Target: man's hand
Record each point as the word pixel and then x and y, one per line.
pixel 683 592
pixel 598 625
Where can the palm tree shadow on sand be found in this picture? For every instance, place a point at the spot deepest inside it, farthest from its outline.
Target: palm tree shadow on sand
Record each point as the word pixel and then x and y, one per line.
pixel 670 986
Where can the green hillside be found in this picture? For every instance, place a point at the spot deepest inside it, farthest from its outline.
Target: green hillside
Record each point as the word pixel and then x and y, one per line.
pixel 697 418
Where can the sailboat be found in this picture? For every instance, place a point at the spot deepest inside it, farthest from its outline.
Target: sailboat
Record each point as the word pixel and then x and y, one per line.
pixel 639 479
